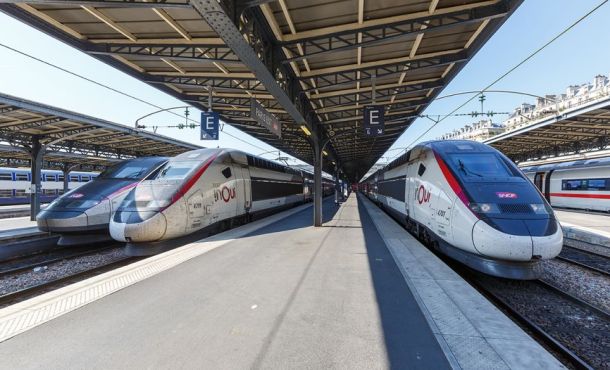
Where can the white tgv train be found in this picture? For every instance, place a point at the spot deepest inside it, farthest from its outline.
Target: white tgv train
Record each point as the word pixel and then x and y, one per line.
pixel 202 191
pixel 473 204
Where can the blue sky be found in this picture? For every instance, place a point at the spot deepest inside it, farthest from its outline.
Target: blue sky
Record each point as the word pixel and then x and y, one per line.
pixel 573 59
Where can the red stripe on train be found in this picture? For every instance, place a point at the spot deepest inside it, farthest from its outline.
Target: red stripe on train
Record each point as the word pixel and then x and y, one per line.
pixel 455 186
pixel 589 196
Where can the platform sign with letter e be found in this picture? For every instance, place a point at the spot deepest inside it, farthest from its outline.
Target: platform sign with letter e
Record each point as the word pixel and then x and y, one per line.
pixel 373 120
pixel 209 125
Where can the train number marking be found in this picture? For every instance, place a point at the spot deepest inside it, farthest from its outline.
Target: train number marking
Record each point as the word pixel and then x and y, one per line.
pixel 441 213
pixel 423 195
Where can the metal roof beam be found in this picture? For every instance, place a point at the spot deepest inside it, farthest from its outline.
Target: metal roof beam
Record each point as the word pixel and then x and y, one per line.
pixel 193 52
pixel 390 31
pixel 373 23
pixel 109 3
pixel 381 70
pixel 259 63
pixel 29 124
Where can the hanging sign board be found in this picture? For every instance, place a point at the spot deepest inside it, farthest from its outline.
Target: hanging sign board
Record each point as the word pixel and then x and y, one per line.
pixel 209 125
pixel 262 116
pixel 373 120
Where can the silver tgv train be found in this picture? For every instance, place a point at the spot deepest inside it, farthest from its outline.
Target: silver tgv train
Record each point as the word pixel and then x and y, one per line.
pixel 473 204
pixel 203 191
pixel 81 216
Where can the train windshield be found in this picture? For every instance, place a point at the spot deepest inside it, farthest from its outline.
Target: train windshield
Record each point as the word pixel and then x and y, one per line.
pixel 177 170
pixel 481 166
pixel 128 170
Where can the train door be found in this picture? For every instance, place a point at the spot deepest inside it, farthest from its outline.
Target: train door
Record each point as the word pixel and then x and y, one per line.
pixel 245 195
pixel 538 181
pixel 547 186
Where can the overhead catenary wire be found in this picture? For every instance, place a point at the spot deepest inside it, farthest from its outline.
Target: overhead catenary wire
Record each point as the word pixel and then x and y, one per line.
pixel 511 70
pixel 110 88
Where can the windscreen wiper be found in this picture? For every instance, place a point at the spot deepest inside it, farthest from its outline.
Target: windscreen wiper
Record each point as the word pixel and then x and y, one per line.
pixel 467 171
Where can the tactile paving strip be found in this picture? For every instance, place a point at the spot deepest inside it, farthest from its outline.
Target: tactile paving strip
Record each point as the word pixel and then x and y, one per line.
pixel 28 314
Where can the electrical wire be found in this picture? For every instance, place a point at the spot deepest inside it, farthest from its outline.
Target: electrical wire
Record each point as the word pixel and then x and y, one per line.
pixel 510 70
pixel 112 88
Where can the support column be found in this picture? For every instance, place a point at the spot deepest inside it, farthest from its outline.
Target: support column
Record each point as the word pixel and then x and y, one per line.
pixel 36 153
pixel 337 185
pixel 65 169
pixel 317 186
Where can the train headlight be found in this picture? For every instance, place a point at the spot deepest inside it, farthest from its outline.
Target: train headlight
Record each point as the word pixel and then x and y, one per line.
pixel 540 209
pixel 484 208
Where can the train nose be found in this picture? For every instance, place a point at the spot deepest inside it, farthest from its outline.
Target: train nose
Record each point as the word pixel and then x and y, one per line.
pixel 515 244
pixel 49 220
pixel 521 239
pixel 136 226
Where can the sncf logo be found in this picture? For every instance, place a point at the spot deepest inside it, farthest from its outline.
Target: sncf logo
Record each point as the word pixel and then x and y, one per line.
pixel 506 195
pixel 423 195
pixel 225 193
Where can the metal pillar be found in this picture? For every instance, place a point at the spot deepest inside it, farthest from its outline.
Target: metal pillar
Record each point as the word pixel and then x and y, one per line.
pixel 66 182
pixel 317 186
pixel 338 192
pixel 36 153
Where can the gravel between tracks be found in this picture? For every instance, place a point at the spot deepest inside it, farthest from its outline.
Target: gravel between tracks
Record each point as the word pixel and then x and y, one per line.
pixel 587 285
pixel 25 279
pixel 579 329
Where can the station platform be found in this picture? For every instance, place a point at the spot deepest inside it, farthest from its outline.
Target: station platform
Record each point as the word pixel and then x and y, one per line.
pixel 17 227
pixel 17 210
pixel 592 228
pixel 359 292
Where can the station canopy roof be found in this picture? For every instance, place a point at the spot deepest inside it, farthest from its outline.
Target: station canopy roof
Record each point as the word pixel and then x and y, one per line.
pixel 313 64
pixel 14 156
pixel 575 130
pixel 71 138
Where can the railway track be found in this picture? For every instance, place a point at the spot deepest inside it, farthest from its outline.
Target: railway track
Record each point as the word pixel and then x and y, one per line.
pixel 46 258
pixel 25 293
pixel 575 330
pixel 586 259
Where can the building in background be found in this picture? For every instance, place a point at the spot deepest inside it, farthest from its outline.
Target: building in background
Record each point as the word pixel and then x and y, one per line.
pixel 478 131
pixel 527 114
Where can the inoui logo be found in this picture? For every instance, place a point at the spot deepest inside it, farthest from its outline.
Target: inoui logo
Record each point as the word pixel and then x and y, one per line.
pixel 225 193
pixel 423 195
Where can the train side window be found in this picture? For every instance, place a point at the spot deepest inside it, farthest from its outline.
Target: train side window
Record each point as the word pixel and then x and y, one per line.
pixel 5 193
pixel 227 172
pixel 21 176
pixel 421 169
pixel 6 176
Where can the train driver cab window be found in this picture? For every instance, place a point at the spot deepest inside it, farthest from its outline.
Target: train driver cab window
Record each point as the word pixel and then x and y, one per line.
pixel 177 170
pixel 227 172
pixel 125 171
pixel 421 169
pixel 480 165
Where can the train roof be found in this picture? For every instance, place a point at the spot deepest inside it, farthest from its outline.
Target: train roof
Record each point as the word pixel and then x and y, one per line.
pixel 581 163
pixel 441 146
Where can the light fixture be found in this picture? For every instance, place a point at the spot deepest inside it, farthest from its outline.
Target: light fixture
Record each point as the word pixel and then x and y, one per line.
pixel 305 130
pixel 324 152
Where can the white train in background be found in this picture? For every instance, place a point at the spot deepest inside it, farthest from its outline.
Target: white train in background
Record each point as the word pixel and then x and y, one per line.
pixel 581 184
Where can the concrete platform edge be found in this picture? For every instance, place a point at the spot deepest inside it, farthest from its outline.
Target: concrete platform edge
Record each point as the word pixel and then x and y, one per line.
pixel 585 234
pixel 472 332
pixel 23 316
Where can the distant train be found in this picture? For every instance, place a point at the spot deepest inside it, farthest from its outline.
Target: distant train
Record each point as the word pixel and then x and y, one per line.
pixel 204 191
pixel 582 184
pixel 81 216
pixel 472 204
pixel 15 184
